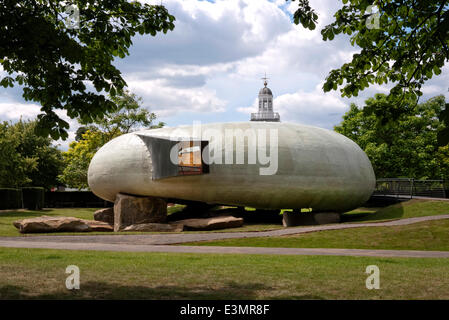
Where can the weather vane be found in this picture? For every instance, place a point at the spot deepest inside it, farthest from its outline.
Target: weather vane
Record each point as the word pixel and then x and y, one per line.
pixel 265 79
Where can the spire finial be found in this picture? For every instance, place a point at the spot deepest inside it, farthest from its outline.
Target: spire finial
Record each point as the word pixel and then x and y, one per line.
pixel 265 80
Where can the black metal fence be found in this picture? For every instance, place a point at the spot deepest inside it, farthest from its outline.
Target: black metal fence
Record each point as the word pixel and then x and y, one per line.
pixel 408 187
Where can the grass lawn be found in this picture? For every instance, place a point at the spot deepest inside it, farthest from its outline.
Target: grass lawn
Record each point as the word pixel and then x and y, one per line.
pixel 38 273
pixel 407 209
pixel 8 217
pixel 431 235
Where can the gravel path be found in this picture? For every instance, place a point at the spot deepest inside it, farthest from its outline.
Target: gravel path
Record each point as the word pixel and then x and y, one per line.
pixel 163 242
pixel 223 250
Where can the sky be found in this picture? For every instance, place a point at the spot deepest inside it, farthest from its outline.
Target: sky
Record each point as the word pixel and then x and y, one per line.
pixel 209 68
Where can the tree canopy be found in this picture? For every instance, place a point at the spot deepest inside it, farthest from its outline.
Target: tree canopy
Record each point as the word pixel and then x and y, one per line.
pixel 128 116
pixel 405 148
pixel 27 159
pixel 69 66
pixel 78 157
pixel 407 46
pixel 403 42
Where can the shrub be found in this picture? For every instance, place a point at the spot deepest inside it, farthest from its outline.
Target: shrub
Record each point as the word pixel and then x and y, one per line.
pixel 80 199
pixel 10 198
pixel 33 198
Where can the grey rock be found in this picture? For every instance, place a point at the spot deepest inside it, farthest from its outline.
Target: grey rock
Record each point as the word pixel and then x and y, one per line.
pixel 99 226
pixel 129 210
pixel 105 215
pixel 214 223
pixel 46 224
pixel 155 227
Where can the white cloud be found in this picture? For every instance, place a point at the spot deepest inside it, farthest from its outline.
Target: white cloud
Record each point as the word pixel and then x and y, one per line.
pixel 311 108
pixel 232 41
pixel 15 111
pixel 438 85
pixel 64 144
pixel 165 100
pixel 172 71
pixel 208 33
pixel 209 67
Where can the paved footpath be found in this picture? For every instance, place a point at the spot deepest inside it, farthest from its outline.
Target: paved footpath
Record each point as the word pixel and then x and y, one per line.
pixel 162 242
pixel 225 250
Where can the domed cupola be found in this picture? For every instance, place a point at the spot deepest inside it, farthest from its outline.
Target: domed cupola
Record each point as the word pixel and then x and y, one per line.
pixel 265 90
pixel 265 105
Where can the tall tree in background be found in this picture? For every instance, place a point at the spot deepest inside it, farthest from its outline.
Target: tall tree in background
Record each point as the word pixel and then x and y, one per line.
pixel 78 157
pixel 60 65
pixel 27 159
pixel 406 148
pixel 403 42
pixel 129 117
pixel 14 167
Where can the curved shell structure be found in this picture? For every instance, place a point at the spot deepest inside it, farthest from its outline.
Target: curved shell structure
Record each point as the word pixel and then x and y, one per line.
pixel 296 166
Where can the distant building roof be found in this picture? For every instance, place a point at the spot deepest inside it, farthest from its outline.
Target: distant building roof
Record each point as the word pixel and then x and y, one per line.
pixel 266 112
pixel 265 90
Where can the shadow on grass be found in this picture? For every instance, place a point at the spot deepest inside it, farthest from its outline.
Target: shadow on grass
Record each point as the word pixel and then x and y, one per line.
pixel 391 212
pixel 102 290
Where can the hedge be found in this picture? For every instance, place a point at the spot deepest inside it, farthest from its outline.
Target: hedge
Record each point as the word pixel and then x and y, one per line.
pixel 10 198
pixel 33 198
pixel 75 199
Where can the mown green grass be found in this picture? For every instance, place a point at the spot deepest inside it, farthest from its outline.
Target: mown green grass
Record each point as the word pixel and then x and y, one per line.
pixel 39 273
pixel 408 209
pixel 431 235
pixel 8 217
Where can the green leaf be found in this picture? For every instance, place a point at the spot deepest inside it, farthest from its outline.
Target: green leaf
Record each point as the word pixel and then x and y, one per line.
pixel 52 62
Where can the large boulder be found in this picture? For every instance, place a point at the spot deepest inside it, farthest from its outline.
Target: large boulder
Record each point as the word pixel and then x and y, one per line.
pixel 105 215
pixel 214 223
pixel 47 224
pixel 99 226
pixel 129 210
pixel 155 227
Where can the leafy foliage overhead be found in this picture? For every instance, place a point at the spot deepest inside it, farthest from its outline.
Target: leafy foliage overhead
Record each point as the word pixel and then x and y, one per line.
pixel 61 67
pixel 403 42
pixel 409 45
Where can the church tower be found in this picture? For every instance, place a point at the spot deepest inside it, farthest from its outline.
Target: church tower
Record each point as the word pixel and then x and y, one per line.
pixel 265 105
